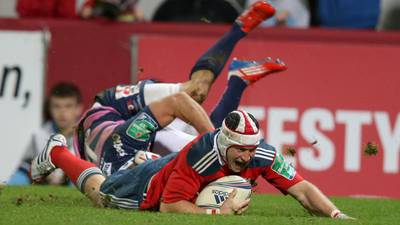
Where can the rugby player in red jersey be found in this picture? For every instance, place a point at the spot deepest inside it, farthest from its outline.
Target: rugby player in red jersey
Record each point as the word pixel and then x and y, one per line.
pixel 171 183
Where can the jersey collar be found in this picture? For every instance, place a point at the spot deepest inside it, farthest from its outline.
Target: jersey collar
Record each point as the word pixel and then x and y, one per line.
pixel 215 148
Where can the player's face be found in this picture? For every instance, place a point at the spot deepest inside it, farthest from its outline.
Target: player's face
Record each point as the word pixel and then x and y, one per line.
pixel 65 111
pixel 239 158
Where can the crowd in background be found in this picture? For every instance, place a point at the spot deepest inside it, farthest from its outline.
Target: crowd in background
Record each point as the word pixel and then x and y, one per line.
pixel 363 14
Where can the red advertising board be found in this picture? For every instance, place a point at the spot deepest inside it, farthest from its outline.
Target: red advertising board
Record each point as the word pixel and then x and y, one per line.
pixel 340 95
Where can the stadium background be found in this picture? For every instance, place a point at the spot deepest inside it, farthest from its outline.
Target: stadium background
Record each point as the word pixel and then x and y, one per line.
pixel 341 89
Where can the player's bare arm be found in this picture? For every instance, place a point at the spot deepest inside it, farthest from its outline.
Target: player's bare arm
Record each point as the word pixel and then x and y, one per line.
pixel 229 207
pixel 315 201
pixel 181 106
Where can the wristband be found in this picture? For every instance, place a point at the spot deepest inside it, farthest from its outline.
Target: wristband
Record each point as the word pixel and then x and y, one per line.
pixel 335 213
pixel 213 211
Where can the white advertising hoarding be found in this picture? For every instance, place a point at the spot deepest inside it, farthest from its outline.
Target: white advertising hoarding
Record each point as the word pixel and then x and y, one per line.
pixel 22 69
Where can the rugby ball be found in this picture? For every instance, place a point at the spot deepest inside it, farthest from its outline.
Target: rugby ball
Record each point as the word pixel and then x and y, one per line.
pixel 216 192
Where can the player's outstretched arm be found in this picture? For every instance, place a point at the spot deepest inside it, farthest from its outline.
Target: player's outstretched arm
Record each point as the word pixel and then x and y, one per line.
pixel 182 206
pixel 315 201
pixel 229 207
pixel 181 106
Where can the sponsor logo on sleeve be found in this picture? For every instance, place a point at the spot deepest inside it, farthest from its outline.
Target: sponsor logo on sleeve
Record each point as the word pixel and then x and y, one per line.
pixel 142 127
pixel 123 91
pixel 283 167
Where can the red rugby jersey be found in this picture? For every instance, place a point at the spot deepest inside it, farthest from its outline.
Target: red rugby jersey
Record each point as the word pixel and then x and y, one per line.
pixel 200 163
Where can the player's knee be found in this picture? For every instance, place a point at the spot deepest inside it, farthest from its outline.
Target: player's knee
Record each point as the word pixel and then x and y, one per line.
pixel 203 76
pixel 199 85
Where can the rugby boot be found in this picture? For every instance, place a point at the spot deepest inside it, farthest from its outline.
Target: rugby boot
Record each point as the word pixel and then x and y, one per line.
pixel 257 13
pixel 42 165
pixel 252 71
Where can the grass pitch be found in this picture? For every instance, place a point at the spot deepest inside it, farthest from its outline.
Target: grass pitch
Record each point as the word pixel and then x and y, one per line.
pixel 60 205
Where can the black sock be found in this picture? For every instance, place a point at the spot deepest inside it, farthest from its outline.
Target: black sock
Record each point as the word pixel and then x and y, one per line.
pixel 215 58
pixel 230 100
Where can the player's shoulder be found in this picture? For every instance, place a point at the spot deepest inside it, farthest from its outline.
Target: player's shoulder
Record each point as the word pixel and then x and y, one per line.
pixel 203 155
pixel 122 91
pixel 264 156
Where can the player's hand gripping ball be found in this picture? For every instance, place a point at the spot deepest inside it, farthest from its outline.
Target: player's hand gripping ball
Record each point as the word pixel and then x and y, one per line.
pixel 216 192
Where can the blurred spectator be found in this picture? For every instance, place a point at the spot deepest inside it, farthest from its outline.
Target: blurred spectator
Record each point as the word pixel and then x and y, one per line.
pixel 215 11
pixel 346 13
pixel 390 15
pixel 290 13
pixel 64 107
pixel 123 10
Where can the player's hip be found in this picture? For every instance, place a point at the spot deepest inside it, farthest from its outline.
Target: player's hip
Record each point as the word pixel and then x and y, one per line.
pixel 127 188
pixel 93 129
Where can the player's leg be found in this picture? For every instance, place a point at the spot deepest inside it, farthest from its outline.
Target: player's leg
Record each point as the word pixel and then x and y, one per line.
pixel 85 175
pixel 128 188
pixel 210 64
pixel 241 75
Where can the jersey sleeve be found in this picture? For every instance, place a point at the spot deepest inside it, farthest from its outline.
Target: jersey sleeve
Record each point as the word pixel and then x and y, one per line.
pixel 281 174
pixel 183 183
pixel 126 99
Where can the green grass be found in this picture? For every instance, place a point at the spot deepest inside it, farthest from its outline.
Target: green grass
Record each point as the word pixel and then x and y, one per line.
pixel 59 205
